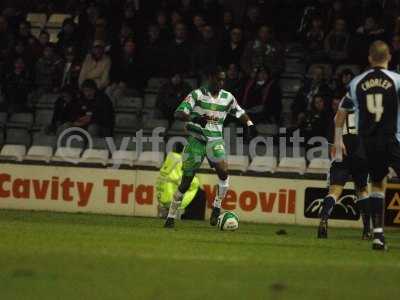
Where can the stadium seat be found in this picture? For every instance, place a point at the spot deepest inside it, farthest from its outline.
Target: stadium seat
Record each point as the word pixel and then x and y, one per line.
pixel 261 164
pixel 56 20
pixel 37 20
pixel 69 153
pixel 292 165
pixel 238 162
pixel 267 129
pixel 150 125
pixel 319 166
pixel 154 84
pixel 124 157
pixel 39 153
pixel 3 119
pixel 129 104
pixel 46 101
pixel 150 100
pixel 42 139
pixel 13 152
pixel 294 66
pixel 17 136
pixel 95 156
pixel 43 118
pixel 290 86
pixel 177 128
pixel 126 122
pixel 20 120
pixel 150 159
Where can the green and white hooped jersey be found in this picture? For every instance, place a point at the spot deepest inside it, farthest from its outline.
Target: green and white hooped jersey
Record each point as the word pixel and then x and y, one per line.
pixel 200 102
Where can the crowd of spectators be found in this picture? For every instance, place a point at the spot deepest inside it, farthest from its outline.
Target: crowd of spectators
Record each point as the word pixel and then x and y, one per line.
pixel 110 49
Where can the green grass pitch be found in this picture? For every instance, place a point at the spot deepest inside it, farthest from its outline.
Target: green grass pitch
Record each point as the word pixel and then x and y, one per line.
pixel 76 256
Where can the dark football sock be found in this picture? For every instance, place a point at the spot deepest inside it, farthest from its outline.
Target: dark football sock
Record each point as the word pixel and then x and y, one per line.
pixel 364 208
pixel 327 207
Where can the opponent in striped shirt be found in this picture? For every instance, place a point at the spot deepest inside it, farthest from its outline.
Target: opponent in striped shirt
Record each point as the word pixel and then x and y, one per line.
pixel 205 110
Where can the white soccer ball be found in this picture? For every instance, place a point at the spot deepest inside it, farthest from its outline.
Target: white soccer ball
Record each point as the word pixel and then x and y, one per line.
pixel 228 221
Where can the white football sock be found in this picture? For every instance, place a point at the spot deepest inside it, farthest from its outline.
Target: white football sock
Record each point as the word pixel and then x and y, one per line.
pixel 175 204
pixel 223 186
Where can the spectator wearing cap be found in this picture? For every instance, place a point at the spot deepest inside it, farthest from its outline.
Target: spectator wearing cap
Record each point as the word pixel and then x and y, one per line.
pixel 171 94
pixel 232 50
pixel 69 75
pixel 96 66
pixel 47 68
pixel 16 87
pixel 261 97
pixel 264 51
pixel 127 73
pixel 93 111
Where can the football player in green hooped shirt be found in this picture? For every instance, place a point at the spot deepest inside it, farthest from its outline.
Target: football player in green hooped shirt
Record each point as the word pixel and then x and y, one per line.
pixel 205 110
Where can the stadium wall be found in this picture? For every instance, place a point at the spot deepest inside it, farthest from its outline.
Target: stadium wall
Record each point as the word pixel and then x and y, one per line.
pixel 132 193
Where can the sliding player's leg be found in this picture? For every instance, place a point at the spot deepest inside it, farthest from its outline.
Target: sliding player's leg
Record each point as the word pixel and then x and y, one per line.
pixel 217 157
pixel 193 156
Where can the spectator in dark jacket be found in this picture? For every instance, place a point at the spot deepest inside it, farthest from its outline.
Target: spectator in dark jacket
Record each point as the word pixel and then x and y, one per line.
pixel 233 82
pixel 17 86
pixel 232 50
pixel 64 112
pixel 316 121
pixel 316 85
pixel 264 51
pixel 314 40
pixel 224 32
pixel 69 36
pixel 70 70
pixel 171 94
pixel 343 80
pixel 47 69
pixel 92 111
pixel 179 51
pixel 153 53
pixel 127 73
pixel 262 97
pixel 337 42
pixel 165 30
pixel 205 50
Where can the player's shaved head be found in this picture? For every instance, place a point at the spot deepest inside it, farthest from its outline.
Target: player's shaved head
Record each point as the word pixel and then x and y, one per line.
pixel 379 53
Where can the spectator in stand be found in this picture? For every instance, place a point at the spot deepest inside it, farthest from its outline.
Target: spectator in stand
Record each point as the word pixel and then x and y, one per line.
pixel 395 62
pixel 205 51
pixel 198 22
pixel 64 112
pixel 176 18
pixel 127 73
pixel 24 33
pixel 16 87
pixel 93 111
pixel 20 50
pixel 69 76
pixel 6 41
pixel 338 10
pixel 179 52
pixel 337 42
pixel 126 32
pixel 96 66
pixel 233 82
pixel 261 97
pixel 166 33
pixel 264 51
pixel 38 48
pixel 334 107
pixel 227 25
pixel 153 53
pixel 343 80
pixel 187 8
pixel 253 22
pixel 315 122
pixel 316 85
pixel 171 94
pixel 68 36
pixel 314 40
pixel 232 50
pixel 47 69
